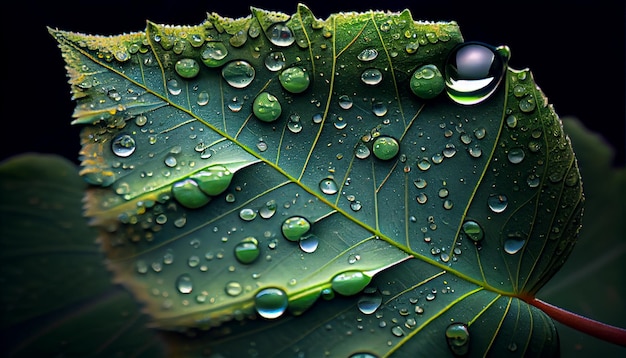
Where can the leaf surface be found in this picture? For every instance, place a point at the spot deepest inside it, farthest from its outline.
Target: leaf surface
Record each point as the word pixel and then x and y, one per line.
pixel 246 170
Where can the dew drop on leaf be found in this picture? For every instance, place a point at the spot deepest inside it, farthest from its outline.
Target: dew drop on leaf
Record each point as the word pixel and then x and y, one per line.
pixel 294 79
pixel 266 107
pixel 281 35
pixel 238 74
pixel 345 101
pixel 187 68
pixel 385 148
pixel 188 193
pixel 516 155
pixel 368 54
pixel 513 244
pixel 473 71
pixel 233 288
pixel 458 338
pixel 184 284
pixel 473 230
pixel 295 227
pixel 123 145
pixel 309 243
pixel 370 301
pixel 329 186
pixel 268 209
pixel 271 302
pixel 497 203
pixel 247 250
pixel 275 61
pixel 427 82
pixel 371 76
pixel 213 180
pixel 214 54
pixel 350 282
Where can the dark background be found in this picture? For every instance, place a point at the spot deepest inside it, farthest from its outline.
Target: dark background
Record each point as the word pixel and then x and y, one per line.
pixel 575 50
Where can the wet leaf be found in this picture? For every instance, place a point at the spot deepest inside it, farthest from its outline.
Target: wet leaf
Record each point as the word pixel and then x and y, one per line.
pixel 324 180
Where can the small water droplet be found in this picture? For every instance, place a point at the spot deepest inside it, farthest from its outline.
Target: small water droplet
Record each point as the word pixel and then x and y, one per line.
pixel 370 301
pixel 397 331
pixel 345 101
pixel 266 107
pixel 379 109
pixel 458 338
pixel 309 243
pixel 511 121
pixel 268 209
pixel 233 288
pixel 294 125
pixel 238 74
pixel 362 151
pixel 329 186
pixel 423 164
pixel 123 145
pixel 497 203
pixel 527 104
pixel 294 79
pixel 174 87
pixel 203 98
pixel 247 214
pixel 184 284
pixel 368 54
pixel 271 302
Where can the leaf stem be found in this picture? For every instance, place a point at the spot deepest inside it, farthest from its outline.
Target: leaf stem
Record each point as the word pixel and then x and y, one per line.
pixel 603 331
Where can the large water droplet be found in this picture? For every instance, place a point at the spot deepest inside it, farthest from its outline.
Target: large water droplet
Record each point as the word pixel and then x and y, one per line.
pixel 473 230
pixel 497 203
pixel 214 54
pixel 295 227
pixel 345 101
pixel 214 180
pixel 513 244
pixel 309 243
pixel 123 145
pixel 294 79
pixel 368 54
pixel 281 35
pixel 238 74
pixel 350 282
pixel 372 76
pixel 516 155
pixel 247 250
pixel 266 107
pixel 329 186
pixel 271 302
pixel 370 301
pixel 427 82
pixel 275 61
pixel 385 148
pixel 474 70
pixel 362 151
pixel 187 68
pixel 184 284
pixel 458 338
pixel 188 193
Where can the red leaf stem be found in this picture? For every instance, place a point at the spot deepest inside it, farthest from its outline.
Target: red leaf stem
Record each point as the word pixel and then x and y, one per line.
pixel 603 331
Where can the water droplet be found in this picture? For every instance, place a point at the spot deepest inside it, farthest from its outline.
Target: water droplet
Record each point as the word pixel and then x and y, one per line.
pixel 187 68
pixel 188 193
pixel 203 98
pixel 475 151
pixel 350 282
pixel 423 164
pixel 309 243
pixel 356 205
pixel 368 54
pixel 379 109
pixel 174 87
pixel 513 244
pixel 184 284
pixel 268 210
pixel 281 35
pixel 473 230
pixel 266 107
pixel 213 180
pixel 247 250
pixel 427 82
pixel 527 104
pixel 123 145
pixel 533 180
pixel 421 198
pixel 238 74
pixel 511 121
pixel 457 336
pixel 294 79
pixel 271 302
pixel 235 104
pixel 474 71
pixel 497 203
pixel 275 61
pixel 317 118
pixel 329 186
pixel 295 227
pixel 397 331
pixel 449 151
pixel 516 155
pixel 362 151
pixel 214 54
pixel 385 148
pixel 370 301
pixel 345 101
pixel 371 76
pixel 233 288
pixel 363 355
pixel 247 214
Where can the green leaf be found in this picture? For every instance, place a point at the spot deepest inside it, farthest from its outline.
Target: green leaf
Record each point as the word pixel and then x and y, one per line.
pixel 244 171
